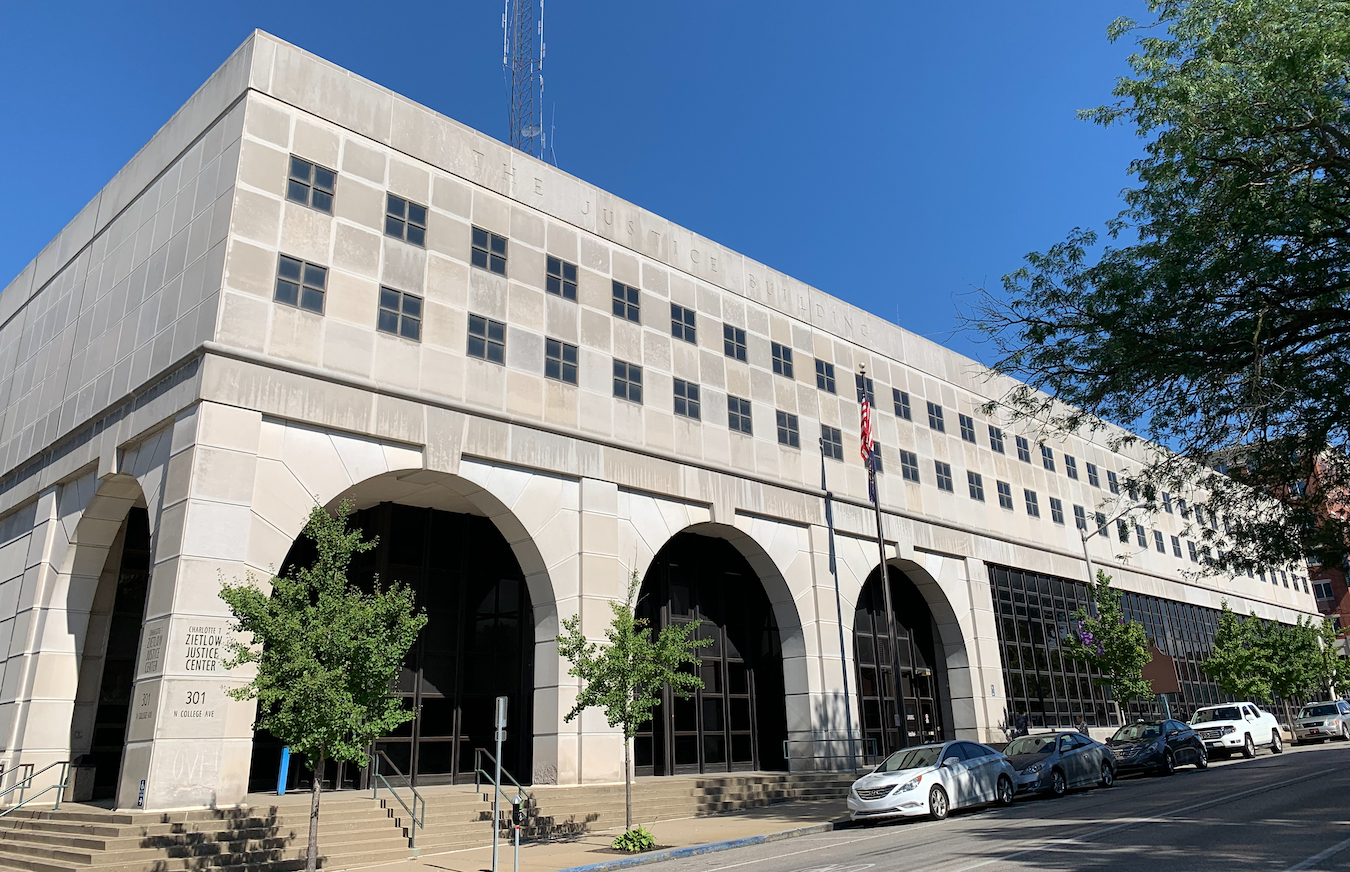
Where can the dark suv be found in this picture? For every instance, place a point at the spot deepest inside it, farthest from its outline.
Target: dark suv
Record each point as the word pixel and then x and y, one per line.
pixel 1157 746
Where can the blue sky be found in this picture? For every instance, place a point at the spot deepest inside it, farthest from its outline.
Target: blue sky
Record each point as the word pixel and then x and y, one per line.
pixel 893 154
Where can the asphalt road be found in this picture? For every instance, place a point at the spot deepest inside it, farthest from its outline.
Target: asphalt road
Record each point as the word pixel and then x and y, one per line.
pixel 1288 812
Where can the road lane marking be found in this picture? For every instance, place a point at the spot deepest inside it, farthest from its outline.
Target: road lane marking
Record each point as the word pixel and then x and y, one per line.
pixel 803 851
pixel 1318 858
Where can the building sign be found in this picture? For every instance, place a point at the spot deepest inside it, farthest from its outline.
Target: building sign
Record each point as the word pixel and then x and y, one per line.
pixel 203 644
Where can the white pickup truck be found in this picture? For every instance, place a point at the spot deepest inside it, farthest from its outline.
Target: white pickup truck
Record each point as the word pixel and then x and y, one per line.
pixel 1237 726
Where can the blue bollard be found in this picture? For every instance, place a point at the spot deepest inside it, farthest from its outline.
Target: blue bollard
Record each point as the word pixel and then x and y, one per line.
pixel 285 767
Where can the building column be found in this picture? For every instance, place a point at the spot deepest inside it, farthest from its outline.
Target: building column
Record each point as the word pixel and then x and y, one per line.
pixel 982 646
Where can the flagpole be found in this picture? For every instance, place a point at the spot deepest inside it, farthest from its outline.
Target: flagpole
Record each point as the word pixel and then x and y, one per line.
pixel 839 608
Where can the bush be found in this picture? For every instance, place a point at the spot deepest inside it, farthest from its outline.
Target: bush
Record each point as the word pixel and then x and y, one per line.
pixel 634 840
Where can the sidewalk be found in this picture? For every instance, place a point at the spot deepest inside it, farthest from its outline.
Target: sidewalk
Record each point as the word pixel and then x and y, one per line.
pixel 593 848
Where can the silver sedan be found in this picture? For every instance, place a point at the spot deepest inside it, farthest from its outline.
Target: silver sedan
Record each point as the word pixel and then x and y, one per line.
pixel 1319 721
pixel 932 780
pixel 1059 762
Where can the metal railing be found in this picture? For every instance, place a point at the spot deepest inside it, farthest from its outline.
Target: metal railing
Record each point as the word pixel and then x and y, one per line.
pixel 866 747
pixel 418 821
pixel 24 784
pixel 483 778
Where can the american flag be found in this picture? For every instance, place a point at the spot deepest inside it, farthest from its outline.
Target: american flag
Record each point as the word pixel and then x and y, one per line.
pixel 866 429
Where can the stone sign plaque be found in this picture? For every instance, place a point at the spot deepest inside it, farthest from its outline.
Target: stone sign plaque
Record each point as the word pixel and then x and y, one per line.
pixel 193 709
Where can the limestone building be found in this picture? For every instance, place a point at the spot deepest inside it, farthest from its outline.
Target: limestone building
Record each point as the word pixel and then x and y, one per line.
pixel 306 287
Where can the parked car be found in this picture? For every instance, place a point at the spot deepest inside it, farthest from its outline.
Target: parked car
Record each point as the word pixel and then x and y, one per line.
pixel 1059 762
pixel 1319 721
pixel 1157 746
pixel 932 780
pixel 1238 726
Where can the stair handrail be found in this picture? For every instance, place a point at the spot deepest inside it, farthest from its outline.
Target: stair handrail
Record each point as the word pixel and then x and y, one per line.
pixel 24 784
pixel 418 822
pixel 478 770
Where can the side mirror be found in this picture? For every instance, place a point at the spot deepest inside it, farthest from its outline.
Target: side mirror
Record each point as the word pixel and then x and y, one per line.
pixel 951 761
pixel 1171 733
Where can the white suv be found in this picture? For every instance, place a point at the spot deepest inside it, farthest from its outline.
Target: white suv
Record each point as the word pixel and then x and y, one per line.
pixel 1239 726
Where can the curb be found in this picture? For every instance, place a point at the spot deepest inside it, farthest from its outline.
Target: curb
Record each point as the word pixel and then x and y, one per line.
pixel 712 847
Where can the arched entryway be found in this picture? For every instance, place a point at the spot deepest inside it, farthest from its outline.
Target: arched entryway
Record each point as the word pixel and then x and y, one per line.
pixel 738 721
pixel 920 711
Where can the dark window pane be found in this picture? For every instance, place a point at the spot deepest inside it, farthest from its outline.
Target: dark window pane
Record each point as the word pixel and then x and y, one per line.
pixel 479 258
pixel 311 299
pixel 412 305
pixel 300 169
pixel 389 299
pixel 416 235
pixel 417 214
pixel 323 179
pixel 397 206
pixel 480 239
pixel 323 202
pixel 287 292
pixel 411 329
pixel 289 268
pixel 297 192
pixel 393 226
pixel 388 321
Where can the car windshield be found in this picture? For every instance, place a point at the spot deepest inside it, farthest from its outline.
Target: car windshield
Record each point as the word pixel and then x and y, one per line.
pixel 913 758
pixel 1319 711
pixel 1224 713
pixel 1137 732
pixel 1030 745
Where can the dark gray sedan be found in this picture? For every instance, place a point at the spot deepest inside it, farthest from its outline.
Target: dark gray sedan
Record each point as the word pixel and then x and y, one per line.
pixel 1058 762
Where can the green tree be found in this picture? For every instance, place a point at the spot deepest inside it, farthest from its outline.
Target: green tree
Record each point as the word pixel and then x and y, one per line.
pixel 1238 659
pixel 326 654
pixel 1329 669
pixel 1211 316
pixel 625 675
pixel 1291 655
pixel 1115 647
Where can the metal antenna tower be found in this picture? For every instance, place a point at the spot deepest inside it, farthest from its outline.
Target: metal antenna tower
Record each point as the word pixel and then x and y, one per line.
pixel 523 65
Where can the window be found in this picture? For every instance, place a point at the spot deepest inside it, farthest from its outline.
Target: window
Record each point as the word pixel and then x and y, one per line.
pixel 300 284
pixel 864 385
pixel 1190 548
pixel 686 399
pixel 1101 524
pixel 1158 544
pixel 560 361
pixel 487 339
pixel 682 323
pixel 626 303
pixel 489 251
pixel 311 185
pixel 1080 518
pixel 1112 483
pixel 1005 495
pixel 1284 577
pixel 1092 475
pixel 561 280
pixel 909 465
pixel 901 404
pixel 1261 574
pixel 996 439
pixel 1183 509
pixel 1056 510
pixel 782 360
pixel 738 414
pixel 1048 457
pixel 944 475
pixel 1322 590
pixel 831 442
pixel 1167 502
pixel 628 381
pixel 825 376
pixel 787 430
pixel 976 484
pixel 1071 467
pixel 1176 548
pixel 967 427
pixel 876 459
pixel 400 314
pixel 1140 536
pixel 1033 503
pixel 1227 528
pixel 406 220
pixel 733 342
pixel 1023 449
pixel 935 421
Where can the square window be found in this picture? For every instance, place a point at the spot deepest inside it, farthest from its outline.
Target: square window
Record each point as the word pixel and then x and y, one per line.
pixel 1092 475
pixel 682 323
pixel 787 430
pixel 967 427
pixel 1112 483
pixel 902 409
pixel 976 483
pixel 832 442
pixel 1023 449
pixel 406 220
pixel 561 279
pixel 400 314
pixel 909 466
pixel 311 185
pixel 1167 502
pixel 1158 544
pixel 782 360
pixel 1190 549
pixel 487 339
pixel 733 342
pixel 1080 518
pixel 935 421
pixel 489 251
pixel 1033 503
pixel 996 439
pixel 1056 510
pixel 1071 467
pixel 1101 524
pixel 1140 536
pixel 560 361
pixel 1176 547
pixel 865 386
pixel 628 381
pixel 738 414
pixel 686 399
pixel 825 376
pixel 300 284
pixel 1322 590
pixel 1048 457
pixel 1005 495
pixel 626 302
pixel 944 476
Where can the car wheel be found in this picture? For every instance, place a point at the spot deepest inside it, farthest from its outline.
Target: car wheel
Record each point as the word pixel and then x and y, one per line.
pixel 1248 747
pixel 1276 742
pixel 1058 785
pixel 1345 733
pixel 937 803
pixel 1108 775
pixel 1169 766
pixel 1004 795
pixel 1202 761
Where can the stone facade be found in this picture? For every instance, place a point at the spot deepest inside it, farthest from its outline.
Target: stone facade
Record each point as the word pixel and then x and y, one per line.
pixel 145 362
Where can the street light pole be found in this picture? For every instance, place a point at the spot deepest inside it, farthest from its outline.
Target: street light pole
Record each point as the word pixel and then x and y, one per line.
pixel 839 609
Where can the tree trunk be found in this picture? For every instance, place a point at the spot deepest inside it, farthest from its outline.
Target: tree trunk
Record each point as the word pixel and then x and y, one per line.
pixel 315 787
pixel 627 786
